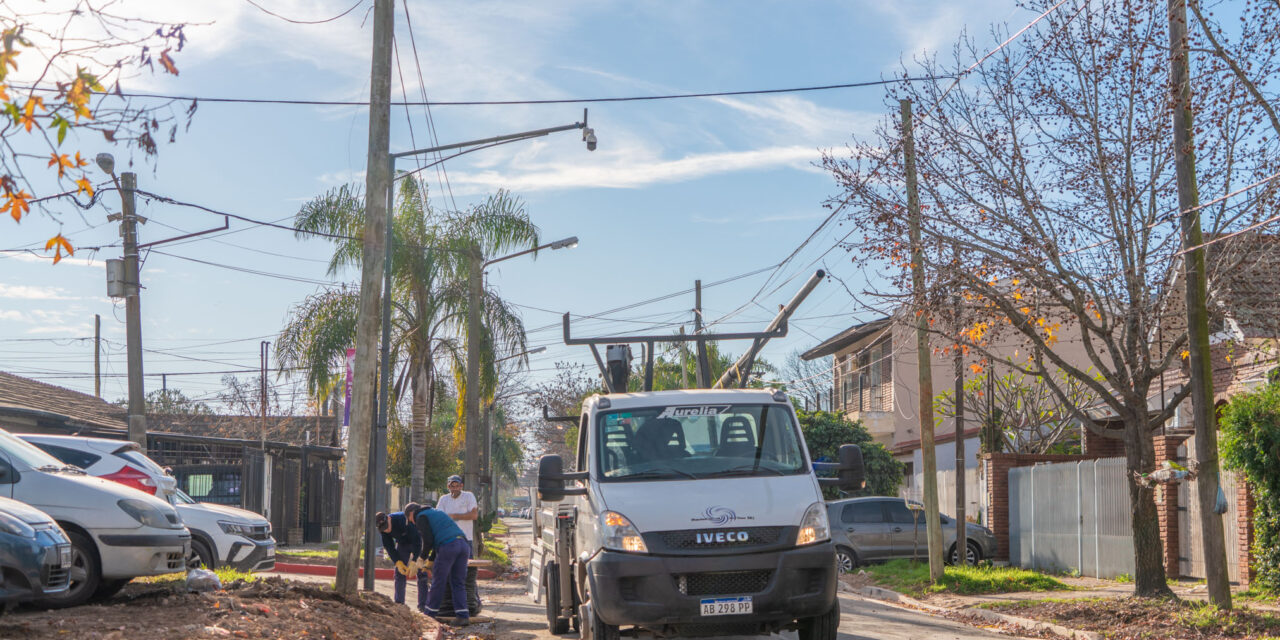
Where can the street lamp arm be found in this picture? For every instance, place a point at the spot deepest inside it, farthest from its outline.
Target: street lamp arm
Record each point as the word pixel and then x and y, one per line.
pixel 460 153
pixel 567 242
pixel 511 137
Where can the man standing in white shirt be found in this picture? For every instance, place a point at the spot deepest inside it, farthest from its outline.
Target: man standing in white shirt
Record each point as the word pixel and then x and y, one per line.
pixel 462 507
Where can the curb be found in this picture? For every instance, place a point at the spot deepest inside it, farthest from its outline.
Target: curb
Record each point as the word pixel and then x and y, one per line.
pixel 482 573
pixel 886 595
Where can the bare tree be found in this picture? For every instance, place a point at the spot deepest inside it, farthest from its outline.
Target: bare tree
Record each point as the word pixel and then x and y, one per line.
pixel 1050 201
pixel 1019 412
pixel 562 395
pixel 809 380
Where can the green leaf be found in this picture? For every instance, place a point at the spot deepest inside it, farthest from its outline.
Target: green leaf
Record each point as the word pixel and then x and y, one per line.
pixel 62 124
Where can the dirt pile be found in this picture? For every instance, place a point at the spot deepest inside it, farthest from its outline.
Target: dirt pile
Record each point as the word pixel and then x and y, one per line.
pixel 1135 618
pixel 267 608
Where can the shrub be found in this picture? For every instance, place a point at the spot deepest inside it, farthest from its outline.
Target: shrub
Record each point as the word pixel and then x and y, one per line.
pixel 1250 440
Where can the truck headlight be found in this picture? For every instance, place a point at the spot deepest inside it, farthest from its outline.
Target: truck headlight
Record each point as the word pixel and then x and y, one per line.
pixel 12 525
pixel 145 514
pixel 620 534
pixel 813 526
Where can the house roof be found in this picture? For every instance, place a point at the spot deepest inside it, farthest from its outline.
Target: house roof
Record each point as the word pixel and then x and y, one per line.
pixel 845 338
pixel 20 395
pixel 324 430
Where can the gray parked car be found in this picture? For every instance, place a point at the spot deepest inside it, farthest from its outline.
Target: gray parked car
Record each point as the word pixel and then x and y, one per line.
pixel 876 529
pixel 35 555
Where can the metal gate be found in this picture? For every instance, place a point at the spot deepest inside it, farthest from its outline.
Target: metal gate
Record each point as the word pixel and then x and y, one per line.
pixel 284 500
pixel 252 480
pixel 1190 539
pixel 1071 515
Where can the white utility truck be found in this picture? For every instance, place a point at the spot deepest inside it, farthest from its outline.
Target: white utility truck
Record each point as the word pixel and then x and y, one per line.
pixel 690 513
pixel 686 513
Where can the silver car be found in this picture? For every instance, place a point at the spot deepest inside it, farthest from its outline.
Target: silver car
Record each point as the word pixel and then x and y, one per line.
pixel 877 529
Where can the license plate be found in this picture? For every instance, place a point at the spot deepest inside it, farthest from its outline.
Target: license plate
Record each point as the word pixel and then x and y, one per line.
pixel 64 556
pixel 726 606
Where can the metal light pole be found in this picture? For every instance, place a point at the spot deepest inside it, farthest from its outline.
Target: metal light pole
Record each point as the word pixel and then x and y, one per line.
pixel 377 470
pixel 471 465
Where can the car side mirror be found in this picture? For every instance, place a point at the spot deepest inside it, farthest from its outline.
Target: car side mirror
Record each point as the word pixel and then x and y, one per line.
pixel 852 474
pixel 551 479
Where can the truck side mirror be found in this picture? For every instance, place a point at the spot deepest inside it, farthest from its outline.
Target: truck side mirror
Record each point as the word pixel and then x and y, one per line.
pixel 852 474
pixel 550 478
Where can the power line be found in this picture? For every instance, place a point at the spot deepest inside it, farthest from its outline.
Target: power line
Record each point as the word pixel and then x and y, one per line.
pixel 476 103
pixel 286 19
pixel 256 272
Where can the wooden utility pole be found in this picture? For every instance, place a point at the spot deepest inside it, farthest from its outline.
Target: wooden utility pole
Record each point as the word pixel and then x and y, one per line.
pixel 933 526
pixel 684 361
pixel 1194 276
pixel 377 184
pixel 133 310
pixel 97 355
pixel 704 364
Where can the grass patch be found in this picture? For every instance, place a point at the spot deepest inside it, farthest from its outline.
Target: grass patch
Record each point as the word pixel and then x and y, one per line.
pixel 499 528
pixel 913 578
pixel 225 574
pixel 1124 578
pixel 496 551
pixel 310 553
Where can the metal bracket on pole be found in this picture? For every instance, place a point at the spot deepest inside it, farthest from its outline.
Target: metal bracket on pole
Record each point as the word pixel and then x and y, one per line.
pixel 546 415
pixel 226 224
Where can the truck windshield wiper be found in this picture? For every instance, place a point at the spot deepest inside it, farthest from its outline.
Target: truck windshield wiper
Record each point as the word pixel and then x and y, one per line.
pixel 744 470
pixel 664 471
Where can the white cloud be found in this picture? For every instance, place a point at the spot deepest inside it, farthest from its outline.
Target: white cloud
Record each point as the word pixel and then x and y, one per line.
pixel 72 261
pixel 629 171
pixel 25 292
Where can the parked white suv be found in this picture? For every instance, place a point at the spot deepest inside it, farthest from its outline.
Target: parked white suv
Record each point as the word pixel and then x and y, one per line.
pixel 116 533
pixel 221 536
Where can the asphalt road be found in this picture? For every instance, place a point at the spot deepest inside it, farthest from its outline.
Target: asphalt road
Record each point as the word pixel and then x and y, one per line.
pixel 510 614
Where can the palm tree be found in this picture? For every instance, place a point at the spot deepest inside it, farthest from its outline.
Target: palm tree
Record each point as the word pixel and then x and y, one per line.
pixel 429 268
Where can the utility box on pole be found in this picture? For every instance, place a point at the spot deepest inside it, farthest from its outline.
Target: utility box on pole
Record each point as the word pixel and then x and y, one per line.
pixel 115 278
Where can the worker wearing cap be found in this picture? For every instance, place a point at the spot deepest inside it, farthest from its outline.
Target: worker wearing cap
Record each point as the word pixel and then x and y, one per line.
pixel 401 540
pixel 445 546
pixel 462 507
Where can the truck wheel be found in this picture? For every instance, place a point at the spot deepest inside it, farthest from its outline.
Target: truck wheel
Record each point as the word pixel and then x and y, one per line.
pixel 551 582
pixel 823 627
pixel 86 574
pixel 602 631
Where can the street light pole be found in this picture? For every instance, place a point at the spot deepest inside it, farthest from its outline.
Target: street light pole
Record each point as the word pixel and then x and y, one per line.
pixel 377 470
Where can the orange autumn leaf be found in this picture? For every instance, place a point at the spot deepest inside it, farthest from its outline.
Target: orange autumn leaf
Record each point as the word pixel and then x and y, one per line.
pixel 62 162
pixel 84 186
pixel 4 93
pixel 80 162
pixel 17 204
pixel 976 368
pixel 58 243
pixel 167 62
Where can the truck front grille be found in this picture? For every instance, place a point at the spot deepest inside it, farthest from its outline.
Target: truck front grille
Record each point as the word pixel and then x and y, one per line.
pixel 701 539
pixel 723 583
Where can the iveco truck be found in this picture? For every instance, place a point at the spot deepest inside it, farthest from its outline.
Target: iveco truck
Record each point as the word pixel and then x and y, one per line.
pixel 688 513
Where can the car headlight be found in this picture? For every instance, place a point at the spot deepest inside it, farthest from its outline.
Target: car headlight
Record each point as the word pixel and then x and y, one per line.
pixel 12 525
pixel 814 526
pixel 236 528
pixel 146 514
pixel 620 534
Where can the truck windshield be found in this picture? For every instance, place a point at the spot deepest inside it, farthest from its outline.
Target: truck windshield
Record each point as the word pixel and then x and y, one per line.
pixel 701 441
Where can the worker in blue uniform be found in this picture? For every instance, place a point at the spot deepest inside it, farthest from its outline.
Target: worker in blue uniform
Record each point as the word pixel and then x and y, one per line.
pixel 445 547
pixel 401 541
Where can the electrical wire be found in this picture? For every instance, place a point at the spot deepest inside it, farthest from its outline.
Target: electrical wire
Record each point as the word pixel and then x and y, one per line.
pixel 473 103
pixel 294 21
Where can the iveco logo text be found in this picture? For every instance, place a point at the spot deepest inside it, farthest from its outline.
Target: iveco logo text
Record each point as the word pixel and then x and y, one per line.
pixel 720 516
pixel 721 537
pixel 692 412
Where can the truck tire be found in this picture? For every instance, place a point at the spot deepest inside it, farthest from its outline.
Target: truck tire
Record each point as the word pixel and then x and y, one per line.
pixel 551 584
pixel 86 574
pixel 602 631
pixel 823 627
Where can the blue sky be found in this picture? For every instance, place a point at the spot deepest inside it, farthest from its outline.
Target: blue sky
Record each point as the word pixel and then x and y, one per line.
pixel 678 190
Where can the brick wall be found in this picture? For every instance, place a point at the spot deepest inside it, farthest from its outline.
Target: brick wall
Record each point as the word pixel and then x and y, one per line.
pixel 1244 525
pixel 996 468
pixel 1167 505
pixel 1097 446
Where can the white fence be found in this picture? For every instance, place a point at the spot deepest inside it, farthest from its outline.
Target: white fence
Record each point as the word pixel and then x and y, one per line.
pixel 1071 515
pixel 975 492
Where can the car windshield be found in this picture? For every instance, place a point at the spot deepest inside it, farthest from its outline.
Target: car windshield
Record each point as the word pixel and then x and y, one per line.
pixel 27 453
pixel 699 441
